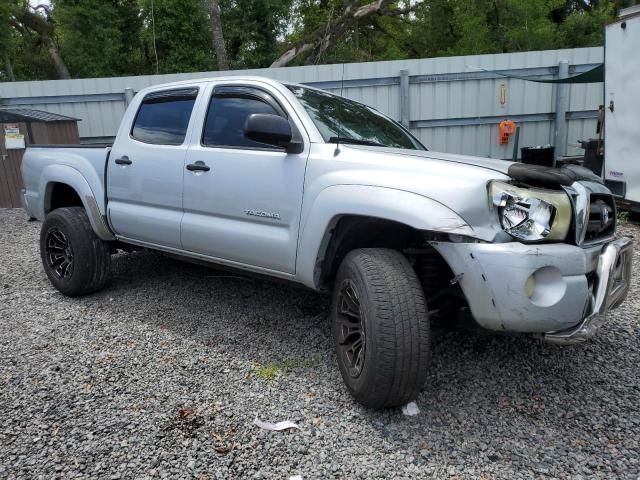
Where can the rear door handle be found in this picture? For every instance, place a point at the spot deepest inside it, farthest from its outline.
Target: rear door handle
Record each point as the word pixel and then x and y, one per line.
pixel 124 160
pixel 199 166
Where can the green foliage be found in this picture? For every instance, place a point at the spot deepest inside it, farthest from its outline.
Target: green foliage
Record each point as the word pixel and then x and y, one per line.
pixel 133 37
pixel 273 370
pixel 251 30
pixel 27 55
pixel 91 35
pixel 468 27
pixel 623 216
pixel 6 11
pixel 182 36
pixel 460 27
pixel 584 28
pixel 29 58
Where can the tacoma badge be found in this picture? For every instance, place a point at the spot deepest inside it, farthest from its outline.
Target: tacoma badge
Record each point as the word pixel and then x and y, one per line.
pixel 257 213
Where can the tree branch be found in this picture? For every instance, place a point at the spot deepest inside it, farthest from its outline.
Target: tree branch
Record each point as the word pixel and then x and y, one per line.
pixel 326 35
pixel 44 29
pixel 45 8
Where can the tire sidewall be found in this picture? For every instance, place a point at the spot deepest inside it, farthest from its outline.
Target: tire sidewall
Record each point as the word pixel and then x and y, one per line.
pixel 360 386
pixel 80 243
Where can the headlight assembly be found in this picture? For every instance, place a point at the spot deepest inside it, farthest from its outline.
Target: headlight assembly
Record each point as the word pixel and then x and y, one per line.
pixel 530 214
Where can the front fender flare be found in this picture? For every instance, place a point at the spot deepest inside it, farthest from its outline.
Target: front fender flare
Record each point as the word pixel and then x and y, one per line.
pixel 332 203
pixel 65 174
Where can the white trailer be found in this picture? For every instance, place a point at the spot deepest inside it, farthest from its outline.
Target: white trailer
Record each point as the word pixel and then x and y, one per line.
pixel 622 107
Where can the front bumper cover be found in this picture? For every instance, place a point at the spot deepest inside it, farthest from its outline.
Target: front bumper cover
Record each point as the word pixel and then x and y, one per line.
pixel 559 291
pixel 613 275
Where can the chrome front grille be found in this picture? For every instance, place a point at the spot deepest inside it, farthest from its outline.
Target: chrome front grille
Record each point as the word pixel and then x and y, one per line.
pixel 601 221
pixel 594 212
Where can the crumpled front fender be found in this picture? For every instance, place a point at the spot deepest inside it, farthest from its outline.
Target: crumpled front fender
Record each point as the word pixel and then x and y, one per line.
pixel 332 203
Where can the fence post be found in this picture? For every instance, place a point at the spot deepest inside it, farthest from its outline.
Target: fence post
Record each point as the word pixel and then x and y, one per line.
pixel 560 127
pixel 128 96
pixel 404 97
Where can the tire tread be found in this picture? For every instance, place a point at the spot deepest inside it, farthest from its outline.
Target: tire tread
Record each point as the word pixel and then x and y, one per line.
pixel 92 258
pixel 402 326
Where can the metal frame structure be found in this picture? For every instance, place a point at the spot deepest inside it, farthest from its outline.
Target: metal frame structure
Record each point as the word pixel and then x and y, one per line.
pixel 462 81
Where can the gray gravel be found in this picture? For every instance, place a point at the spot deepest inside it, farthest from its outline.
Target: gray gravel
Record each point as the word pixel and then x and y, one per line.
pixel 158 376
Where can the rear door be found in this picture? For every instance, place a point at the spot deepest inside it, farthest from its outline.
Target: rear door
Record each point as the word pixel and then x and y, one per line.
pixel 245 208
pixel 146 167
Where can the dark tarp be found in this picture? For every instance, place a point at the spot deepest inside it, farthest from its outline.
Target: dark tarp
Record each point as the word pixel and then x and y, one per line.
pixel 595 75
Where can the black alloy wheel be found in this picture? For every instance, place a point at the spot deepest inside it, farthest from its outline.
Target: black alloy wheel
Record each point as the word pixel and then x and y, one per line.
pixel 380 327
pixel 74 258
pixel 352 335
pixel 58 253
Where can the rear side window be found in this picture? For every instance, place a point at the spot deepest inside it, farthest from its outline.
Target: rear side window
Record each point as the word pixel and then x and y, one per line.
pixel 163 117
pixel 225 121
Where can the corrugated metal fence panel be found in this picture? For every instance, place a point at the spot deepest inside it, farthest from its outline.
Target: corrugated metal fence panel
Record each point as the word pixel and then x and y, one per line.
pixel 455 103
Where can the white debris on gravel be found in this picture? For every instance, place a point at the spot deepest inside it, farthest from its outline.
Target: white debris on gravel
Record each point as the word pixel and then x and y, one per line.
pixel 136 387
pixel 410 409
pixel 275 427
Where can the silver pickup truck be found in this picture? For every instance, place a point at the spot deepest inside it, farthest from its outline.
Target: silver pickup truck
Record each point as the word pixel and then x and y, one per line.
pixel 293 182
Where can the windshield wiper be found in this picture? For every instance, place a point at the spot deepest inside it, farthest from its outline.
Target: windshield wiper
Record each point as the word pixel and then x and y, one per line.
pixel 355 141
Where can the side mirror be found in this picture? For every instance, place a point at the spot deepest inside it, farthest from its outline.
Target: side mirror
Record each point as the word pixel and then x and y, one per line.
pixel 272 130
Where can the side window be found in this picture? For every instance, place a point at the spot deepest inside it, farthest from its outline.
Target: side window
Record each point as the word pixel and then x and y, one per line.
pixel 224 125
pixel 163 117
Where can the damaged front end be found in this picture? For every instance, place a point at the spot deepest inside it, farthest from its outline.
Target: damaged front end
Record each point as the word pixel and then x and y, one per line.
pixel 564 270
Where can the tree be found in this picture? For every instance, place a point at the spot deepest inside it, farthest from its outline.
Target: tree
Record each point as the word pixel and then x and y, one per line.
pixel 6 13
pixel 217 35
pixel 580 23
pixel 253 29
pixel 88 38
pixel 24 19
pixel 91 26
pixel 340 22
pixel 468 27
pixel 176 35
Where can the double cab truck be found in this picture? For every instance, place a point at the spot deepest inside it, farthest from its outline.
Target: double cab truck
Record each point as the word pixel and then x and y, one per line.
pixel 293 182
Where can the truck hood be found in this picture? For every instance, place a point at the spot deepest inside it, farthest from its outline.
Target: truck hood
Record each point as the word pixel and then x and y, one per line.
pixel 500 166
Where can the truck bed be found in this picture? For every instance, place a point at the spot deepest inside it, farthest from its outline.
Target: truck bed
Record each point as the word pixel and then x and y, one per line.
pixel 80 166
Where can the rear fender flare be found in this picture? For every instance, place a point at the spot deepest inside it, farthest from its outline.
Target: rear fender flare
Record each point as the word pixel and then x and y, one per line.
pixel 67 175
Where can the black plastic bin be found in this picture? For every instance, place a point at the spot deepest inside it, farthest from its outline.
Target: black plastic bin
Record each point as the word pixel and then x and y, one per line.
pixel 538 155
pixel 593 157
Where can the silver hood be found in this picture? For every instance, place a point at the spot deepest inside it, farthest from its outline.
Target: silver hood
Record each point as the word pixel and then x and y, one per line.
pixel 500 166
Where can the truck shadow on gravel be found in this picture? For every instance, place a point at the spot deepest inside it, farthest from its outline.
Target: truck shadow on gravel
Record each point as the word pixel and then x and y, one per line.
pixel 265 320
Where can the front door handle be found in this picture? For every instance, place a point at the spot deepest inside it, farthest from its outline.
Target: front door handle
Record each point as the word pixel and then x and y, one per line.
pixel 124 160
pixel 199 166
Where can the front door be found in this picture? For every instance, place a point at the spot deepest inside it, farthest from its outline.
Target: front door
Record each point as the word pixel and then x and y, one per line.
pixel 146 167
pixel 242 199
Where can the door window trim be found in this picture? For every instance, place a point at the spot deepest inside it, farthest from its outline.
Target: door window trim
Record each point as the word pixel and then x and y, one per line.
pixel 253 92
pixel 183 92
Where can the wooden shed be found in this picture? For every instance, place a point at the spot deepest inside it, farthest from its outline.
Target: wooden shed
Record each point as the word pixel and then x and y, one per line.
pixel 19 128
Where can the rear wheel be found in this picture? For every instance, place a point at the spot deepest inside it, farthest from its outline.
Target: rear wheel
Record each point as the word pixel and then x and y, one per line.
pixel 74 258
pixel 380 327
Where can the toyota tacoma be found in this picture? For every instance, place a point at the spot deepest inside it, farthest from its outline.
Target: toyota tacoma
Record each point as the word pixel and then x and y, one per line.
pixel 293 182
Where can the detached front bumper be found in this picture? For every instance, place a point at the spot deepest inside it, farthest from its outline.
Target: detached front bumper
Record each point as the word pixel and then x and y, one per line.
pixel 560 291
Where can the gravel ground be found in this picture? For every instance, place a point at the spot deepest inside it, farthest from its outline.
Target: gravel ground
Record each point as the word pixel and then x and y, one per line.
pixel 162 374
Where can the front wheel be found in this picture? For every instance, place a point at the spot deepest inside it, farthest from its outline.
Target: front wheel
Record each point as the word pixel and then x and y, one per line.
pixel 74 258
pixel 380 327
